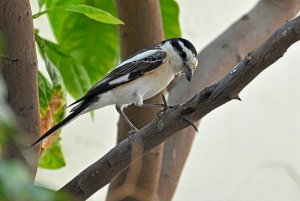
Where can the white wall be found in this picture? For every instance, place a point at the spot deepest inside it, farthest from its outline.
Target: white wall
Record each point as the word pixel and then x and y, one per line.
pixel 245 150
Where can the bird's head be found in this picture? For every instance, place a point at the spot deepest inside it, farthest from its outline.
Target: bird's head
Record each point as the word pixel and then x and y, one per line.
pixel 182 55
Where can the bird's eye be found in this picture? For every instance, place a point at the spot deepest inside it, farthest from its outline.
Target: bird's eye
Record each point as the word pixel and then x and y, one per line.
pixel 183 54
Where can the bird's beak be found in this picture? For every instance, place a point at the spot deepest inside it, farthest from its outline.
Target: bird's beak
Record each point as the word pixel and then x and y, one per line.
pixel 188 73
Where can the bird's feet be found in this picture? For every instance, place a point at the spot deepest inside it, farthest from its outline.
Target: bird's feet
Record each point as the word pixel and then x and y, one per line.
pixel 132 131
pixel 191 123
pixel 165 107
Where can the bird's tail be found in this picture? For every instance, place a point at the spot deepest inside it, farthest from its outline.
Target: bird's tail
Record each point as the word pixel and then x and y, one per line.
pixel 61 124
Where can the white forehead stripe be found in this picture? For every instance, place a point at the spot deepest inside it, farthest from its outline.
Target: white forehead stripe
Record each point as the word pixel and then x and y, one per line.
pixel 121 79
pixel 138 57
pixel 167 47
pixel 181 44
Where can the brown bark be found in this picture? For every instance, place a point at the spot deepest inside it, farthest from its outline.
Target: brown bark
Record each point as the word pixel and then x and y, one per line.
pixel 214 62
pixel 19 68
pixel 141 30
pixel 119 158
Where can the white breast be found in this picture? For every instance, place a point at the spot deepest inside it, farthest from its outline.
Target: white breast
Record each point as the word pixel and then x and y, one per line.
pixel 157 81
pixel 144 87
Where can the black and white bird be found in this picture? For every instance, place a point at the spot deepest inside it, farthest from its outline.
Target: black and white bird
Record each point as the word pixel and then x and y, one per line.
pixel 136 79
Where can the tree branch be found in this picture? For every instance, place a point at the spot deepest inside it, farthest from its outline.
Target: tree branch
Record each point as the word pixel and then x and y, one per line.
pixel 215 61
pixel 119 158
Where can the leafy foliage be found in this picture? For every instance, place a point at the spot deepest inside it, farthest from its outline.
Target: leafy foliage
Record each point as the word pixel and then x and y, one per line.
pixel 94 45
pixel 74 74
pixel 52 157
pixel 50 114
pixel 52 100
pixel 15 184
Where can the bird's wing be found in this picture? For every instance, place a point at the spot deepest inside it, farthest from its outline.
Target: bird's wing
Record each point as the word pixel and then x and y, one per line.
pixel 130 69
pixel 127 71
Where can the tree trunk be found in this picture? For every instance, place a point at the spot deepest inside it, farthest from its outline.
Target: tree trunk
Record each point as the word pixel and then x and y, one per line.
pixel 214 62
pixel 19 69
pixel 142 29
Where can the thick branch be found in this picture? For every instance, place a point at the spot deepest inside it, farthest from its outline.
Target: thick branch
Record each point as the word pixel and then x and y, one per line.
pixel 119 158
pixel 215 61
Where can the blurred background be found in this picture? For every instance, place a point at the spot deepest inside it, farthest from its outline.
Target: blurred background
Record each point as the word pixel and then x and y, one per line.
pixel 245 150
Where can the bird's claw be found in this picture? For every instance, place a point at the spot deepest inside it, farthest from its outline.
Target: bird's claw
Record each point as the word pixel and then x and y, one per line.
pixel 132 131
pixel 166 107
pixel 190 123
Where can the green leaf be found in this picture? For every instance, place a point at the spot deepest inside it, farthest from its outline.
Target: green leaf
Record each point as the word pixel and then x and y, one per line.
pixel 94 13
pixel 89 11
pixel 170 18
pixel 52 98
pixel 57 88
pixel 57 19
pixel 52 110
pixel 74 75
pixel 52 158
pixel 94 45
